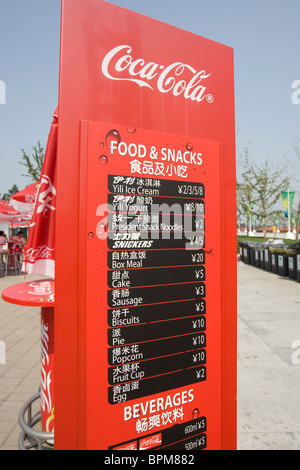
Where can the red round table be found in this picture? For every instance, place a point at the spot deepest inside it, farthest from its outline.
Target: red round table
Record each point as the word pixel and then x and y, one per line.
pixel 40 293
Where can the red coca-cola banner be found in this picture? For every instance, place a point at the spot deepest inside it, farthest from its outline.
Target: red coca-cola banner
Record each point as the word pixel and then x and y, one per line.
pixel 40 250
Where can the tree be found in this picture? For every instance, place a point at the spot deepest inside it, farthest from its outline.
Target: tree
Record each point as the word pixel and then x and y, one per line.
pixel 244 189
pixel 267 186
pixel 13 190
pixel 34 162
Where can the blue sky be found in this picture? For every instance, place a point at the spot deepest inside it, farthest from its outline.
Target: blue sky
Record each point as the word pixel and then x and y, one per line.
pixel 264 34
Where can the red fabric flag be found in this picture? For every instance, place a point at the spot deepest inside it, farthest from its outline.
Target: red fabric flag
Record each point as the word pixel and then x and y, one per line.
pixel 39 256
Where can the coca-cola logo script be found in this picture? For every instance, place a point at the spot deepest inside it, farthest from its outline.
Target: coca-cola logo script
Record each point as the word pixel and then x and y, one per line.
pixel 150 442
pixel 176 78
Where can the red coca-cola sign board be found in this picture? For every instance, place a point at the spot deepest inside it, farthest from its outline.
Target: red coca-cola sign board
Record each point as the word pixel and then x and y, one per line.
pixel 145 310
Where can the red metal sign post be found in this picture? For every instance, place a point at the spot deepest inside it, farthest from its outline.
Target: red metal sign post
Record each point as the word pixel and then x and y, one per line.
pixel 145 282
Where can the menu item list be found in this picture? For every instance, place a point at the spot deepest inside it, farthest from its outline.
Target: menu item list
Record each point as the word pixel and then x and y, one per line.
pixel 156 287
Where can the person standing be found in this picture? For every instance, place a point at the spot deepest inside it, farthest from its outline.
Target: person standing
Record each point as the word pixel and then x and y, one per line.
pixel 19 242
pixel 3 241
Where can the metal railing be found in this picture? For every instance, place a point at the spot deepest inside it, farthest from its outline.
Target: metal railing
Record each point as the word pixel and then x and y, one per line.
pixel 29 437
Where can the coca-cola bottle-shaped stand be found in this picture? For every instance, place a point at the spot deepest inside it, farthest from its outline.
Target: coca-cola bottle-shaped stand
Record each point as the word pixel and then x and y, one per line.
pixel 38 293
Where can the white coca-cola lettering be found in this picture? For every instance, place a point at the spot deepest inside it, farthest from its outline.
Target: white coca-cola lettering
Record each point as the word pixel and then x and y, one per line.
pixel 41 252
pixel 130 446
pixel 38 288
pixel 46 196
pixel 178 78
pixel 149 442
pixel 46 400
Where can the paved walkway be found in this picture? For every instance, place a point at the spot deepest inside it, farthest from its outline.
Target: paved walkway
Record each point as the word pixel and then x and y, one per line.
pixel 20 375
pixel 268 376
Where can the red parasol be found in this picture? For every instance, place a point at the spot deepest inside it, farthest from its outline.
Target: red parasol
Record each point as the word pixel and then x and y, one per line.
pixel 24 200
pixel 39 254
pixel 9 214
